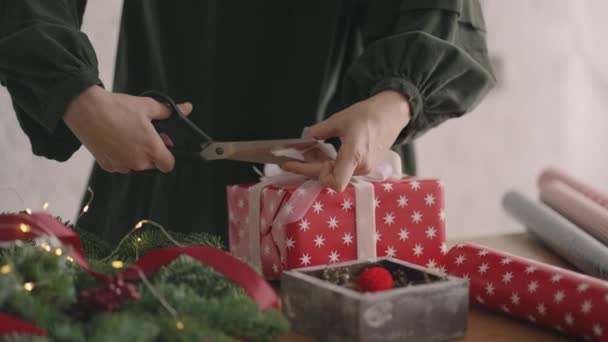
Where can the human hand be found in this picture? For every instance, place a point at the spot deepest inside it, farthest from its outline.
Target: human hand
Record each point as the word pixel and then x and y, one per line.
pixel 367 130
pixel 117 130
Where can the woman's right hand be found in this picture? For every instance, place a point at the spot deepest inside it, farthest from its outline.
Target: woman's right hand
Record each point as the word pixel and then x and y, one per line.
pixel 117 130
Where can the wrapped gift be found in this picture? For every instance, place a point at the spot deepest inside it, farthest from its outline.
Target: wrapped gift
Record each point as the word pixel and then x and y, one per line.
pixel 287 221
pixel 549 296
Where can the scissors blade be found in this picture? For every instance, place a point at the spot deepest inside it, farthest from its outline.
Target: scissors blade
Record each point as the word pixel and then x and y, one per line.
pixel 259 151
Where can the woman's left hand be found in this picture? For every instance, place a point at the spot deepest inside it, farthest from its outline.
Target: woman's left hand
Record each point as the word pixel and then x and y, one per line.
pixel 367 130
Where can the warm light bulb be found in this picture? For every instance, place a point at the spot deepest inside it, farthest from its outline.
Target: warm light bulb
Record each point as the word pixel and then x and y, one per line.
pixel 29 286
pixel 45 246
pixel 45 206
pixel 85 209
pixel 5 269
pixel 58 252
pixel 70 259
pixel 28 210
pixel 25 228
pixel 139 224
pixel 138 239
pixel 117 264
pixel 179 325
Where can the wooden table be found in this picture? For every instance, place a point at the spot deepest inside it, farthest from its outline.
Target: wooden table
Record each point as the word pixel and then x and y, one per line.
pixel 485 325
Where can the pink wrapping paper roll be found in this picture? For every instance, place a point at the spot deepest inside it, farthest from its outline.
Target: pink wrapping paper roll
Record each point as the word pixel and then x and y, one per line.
pixel 552 297
pixel 578 208
pixel 552 174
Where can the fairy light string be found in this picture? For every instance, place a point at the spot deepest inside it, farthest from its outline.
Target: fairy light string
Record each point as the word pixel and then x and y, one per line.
pixel 47 245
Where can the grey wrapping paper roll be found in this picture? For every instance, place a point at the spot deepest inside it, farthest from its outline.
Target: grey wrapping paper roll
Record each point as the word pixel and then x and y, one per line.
pixel 562 236
pixel 578 208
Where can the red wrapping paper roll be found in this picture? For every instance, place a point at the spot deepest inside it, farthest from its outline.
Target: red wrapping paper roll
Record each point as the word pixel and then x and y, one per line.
pixel 545 295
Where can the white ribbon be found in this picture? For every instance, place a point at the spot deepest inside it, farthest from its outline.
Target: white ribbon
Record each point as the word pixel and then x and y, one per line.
pixel 388 169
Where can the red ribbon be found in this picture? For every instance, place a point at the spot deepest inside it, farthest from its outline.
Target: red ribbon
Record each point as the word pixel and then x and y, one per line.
pixel 44 224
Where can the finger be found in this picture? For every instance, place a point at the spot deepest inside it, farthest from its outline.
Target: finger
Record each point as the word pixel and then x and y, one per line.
pixel 312 170
pixel 166 140
pixel 162 157
pixel 156 110
pixel 325 129
pixel 345 166
pixel 185 108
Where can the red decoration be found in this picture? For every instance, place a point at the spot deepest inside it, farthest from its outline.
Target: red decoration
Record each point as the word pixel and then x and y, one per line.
pixel 115 290
pixel 542 294
pixel 409 219
pixel 374 279
pixel 108 297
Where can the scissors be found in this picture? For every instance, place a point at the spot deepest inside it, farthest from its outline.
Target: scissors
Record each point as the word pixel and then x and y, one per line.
pixel 191 141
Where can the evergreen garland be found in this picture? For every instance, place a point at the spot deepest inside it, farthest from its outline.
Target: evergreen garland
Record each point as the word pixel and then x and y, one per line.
pixel 211 307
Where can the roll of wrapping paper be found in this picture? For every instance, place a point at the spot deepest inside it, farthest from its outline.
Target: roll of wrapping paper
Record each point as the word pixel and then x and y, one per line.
pixel 576 207
pixel 552 174
pixel 562 236
pixel 552 297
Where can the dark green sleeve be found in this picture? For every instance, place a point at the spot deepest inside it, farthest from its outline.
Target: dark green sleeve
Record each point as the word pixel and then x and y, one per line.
pixel 45 61
pixel 432 51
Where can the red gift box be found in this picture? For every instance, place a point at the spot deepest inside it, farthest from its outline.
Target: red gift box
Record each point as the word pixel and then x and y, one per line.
pixel 542 294
pixel 408 214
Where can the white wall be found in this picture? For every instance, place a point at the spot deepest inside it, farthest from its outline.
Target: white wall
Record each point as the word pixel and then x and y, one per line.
pixel 549 109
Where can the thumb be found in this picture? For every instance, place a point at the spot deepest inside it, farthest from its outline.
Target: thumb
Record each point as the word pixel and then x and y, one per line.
pixel 325 129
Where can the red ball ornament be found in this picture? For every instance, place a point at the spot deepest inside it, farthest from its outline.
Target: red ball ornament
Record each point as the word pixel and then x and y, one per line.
pixel 374 279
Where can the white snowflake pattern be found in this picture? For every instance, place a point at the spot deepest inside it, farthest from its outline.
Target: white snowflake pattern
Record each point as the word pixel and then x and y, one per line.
pixel 389 218
pixel 530 269
pixel 460 245
pixel 288 208
pixel 533 286
pixel 506 278
pixel 415 185
pixel 305 259
pixel 266 250
pixel 442 215
pixel 479 299
pixel 347 239
pixel 347 204
pixel 280 191
pixel 333 223
pixel 319 241
pixel 304 225
pixel 586 307
pixel 432 264
pixel 300 192
pixel 541 308
pixel 505 261
pixel 403 234
pixel 531 318
pixel 431 232
pixel 597 330
pixel 489 289
pixel 317 207
pixel 582 287
pixel 402 201
pixel 556 278
pixel 376 202
pixel 334 257
pixel 569 319
pixel 442 269
pixel 418 250
pixel 514 298
pixel 466 276
pixel 387 186
pixel 440 184
pixel 459 260
pixel 505 308
pixel 330 191
pixel 289 243
pixel 416 217
pixel 240 203
pixel 234 188
pixel 231 216
pixel 275 268
pixel 482 253
pixel 558 297
pixel 390 252
pixel 483 268
pixel 429 199
pixel 377 236
pixel 443 248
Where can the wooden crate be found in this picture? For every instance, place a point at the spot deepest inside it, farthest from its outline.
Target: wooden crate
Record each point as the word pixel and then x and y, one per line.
pixel 433 311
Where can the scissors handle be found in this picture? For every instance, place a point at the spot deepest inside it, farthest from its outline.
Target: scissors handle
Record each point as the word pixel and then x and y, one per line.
pixel 188 139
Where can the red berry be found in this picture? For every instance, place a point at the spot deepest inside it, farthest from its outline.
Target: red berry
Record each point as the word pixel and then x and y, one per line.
pixel 375 279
